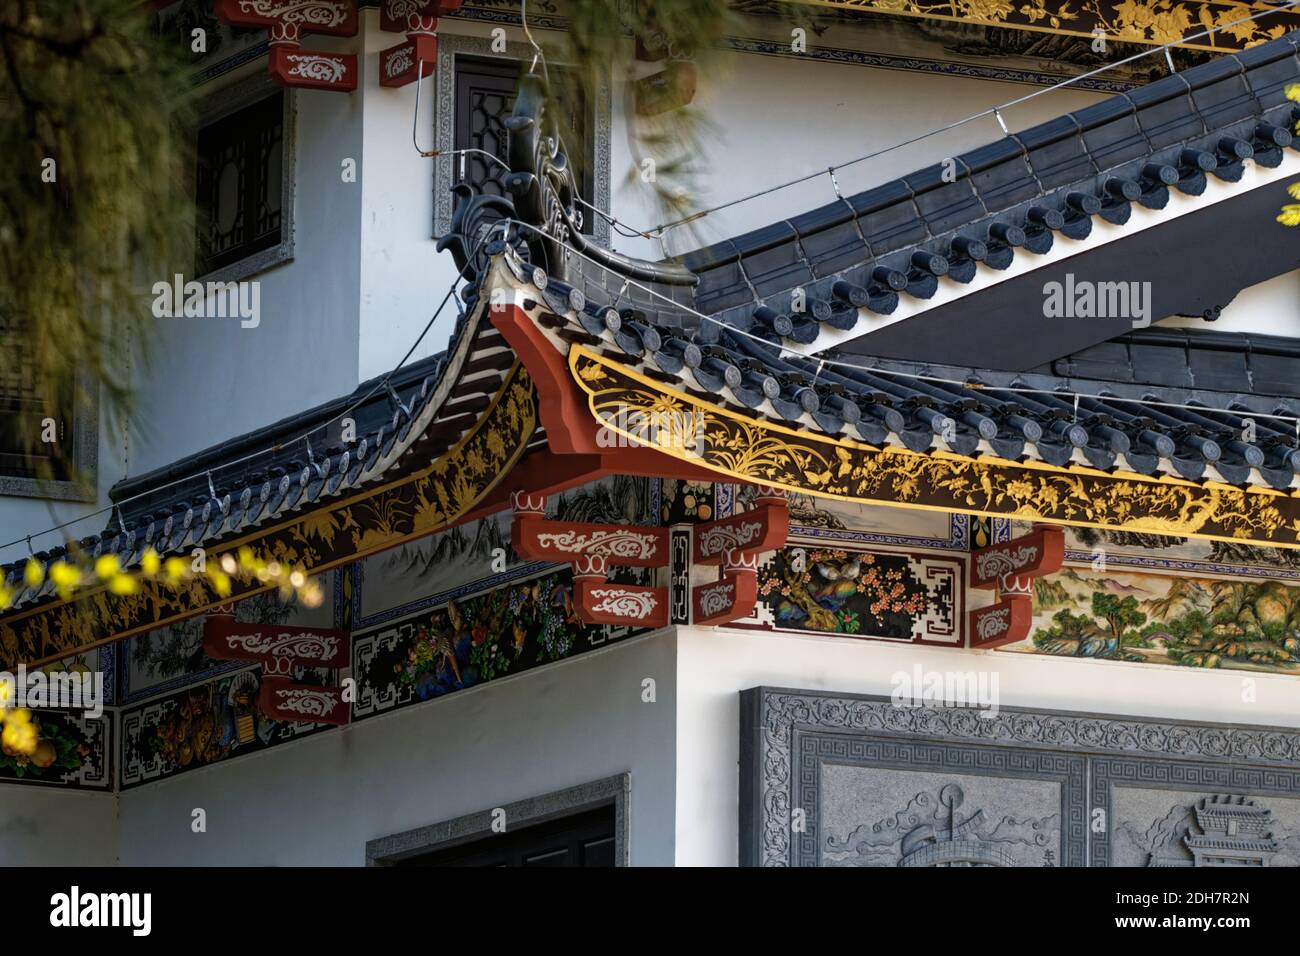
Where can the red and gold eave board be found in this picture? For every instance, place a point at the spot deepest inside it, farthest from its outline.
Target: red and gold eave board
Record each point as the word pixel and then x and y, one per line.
pixel 753 450
pixel 1218 25
pixel 316 540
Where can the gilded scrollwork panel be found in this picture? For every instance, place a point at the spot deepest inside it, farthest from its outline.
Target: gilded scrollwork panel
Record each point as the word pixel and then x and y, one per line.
pixel 763 452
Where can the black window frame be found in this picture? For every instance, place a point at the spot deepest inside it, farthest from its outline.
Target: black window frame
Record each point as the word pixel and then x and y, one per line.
pixel 244 130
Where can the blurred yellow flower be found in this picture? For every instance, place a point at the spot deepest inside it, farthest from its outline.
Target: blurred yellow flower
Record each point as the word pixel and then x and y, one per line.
pixel 123 584
pixel 33 573
pixel 175 569
pixel 107 567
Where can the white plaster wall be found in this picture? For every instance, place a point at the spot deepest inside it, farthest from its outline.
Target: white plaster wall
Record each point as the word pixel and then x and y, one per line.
pixel 1270 308
pixel 765 119
pixel 40 826
pixel 317 801
pixel 212 379
pixel 714 665
pixel 403 278
pixel 209 379
pixel 771 119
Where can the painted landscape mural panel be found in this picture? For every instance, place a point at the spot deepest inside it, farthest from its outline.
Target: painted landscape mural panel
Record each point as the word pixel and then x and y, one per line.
pixel 1163 619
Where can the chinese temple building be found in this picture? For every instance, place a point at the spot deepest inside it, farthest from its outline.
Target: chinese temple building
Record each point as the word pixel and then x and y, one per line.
pixel 964 476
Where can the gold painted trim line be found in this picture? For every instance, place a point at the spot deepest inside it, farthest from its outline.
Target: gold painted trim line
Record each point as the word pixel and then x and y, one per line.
pixel 752 450
pixel 1150 22
pixel 319 540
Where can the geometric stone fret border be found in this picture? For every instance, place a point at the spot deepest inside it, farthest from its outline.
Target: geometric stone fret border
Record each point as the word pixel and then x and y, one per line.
pixel 772 720
pixel 1110 772
pixel 617 790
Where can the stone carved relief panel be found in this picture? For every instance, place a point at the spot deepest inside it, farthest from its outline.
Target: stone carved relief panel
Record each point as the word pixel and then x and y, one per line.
pixel 848 780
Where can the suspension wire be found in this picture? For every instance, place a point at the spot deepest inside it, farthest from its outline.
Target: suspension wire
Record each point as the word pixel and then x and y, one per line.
pixel 823 359
pixel 994 111
pixel 658 231
pixel 538 55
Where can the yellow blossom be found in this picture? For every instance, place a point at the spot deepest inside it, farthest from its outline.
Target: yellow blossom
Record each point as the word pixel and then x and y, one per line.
pixel 65 577
pixel 123 584
pixel 175 569
pixel 150 562
pixel 107 567
pixel 33 573
pixel 220 581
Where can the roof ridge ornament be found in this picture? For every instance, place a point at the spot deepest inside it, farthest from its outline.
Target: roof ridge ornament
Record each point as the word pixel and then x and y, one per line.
pixel 545 195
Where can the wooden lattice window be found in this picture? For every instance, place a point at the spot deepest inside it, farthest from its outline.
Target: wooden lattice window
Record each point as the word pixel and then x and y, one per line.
pixel 28 456
pixel 239 184
pixel 485 97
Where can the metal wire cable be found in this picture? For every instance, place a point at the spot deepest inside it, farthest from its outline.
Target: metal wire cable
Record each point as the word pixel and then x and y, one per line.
pixel 995 111
pixel 659 230
pixel 876 370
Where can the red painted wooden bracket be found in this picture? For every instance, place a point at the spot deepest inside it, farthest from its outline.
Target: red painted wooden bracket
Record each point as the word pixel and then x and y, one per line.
pixel 590 549
pixel 283 699
pixel 278 646
pixel 732 596
pixel 402 64
pixel 414 16
pixel 600 602
pixel 1033 555
pixel 288 20
pixel 537 539
pixel 309 69
pixel 1003 623
pixel 763 529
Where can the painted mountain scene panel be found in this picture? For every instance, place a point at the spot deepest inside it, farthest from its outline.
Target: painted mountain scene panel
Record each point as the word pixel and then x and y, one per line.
pixel 1163 619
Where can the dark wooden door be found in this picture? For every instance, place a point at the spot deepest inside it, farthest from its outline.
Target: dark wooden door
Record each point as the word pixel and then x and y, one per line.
pixel 585 839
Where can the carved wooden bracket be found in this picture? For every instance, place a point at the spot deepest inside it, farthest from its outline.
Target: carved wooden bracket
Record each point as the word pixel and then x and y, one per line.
pixel 1003 623
pixel 283 699
pixel 418 19
pixel 599 601
pixel 762 529
pixel 735 543
pixel 1038 553
pixel 274 645
pixel 279 649
pixel 1011 568
pixel 286 21
pixel 733 595
pixel 591 548
pixel 537 539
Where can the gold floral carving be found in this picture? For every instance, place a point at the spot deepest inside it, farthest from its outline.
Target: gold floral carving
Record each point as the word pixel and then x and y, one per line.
pixel 318 540
pixel 770 454
pixel 1133 21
